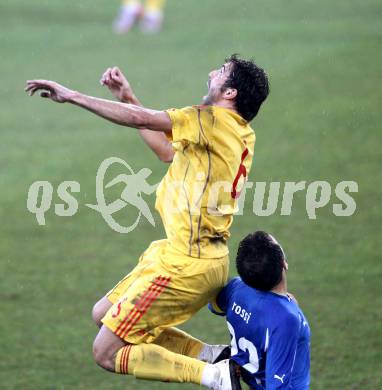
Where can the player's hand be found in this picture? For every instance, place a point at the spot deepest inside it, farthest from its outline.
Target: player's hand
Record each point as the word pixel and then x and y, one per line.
pixel 50 90
pixel 118 85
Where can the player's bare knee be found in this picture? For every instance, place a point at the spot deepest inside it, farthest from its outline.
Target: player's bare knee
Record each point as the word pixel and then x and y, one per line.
pixel 97 315
pixel 100 309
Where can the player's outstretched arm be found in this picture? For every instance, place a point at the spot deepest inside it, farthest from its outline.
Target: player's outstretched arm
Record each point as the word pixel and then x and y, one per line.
pixel 123 114
pixel 120 87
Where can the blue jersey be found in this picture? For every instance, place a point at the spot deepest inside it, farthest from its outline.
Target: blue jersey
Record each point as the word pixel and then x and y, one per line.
pixel 270 337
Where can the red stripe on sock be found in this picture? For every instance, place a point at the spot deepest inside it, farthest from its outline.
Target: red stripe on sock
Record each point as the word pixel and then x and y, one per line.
pixel 127 359
pixel 121 361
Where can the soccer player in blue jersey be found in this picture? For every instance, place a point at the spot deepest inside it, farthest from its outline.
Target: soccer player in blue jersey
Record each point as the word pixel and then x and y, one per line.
pixel 270 336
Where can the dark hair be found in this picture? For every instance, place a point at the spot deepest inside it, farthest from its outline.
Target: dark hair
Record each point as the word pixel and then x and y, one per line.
pixel 260 261
pixel 251 83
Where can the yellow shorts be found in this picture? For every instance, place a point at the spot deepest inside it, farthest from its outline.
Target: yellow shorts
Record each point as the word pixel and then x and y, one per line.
pixel 165 289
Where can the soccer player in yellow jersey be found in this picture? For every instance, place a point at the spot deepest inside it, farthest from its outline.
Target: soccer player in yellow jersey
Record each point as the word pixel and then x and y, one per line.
pixel 210 148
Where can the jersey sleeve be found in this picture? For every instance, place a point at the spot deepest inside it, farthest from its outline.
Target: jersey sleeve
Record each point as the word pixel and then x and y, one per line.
pixel 281 354
pixel 191 124
pixel 219 304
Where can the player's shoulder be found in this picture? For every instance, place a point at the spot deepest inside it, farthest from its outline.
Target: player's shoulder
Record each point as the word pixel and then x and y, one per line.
pixel 230 115
pixel 185 116
pixel 241 292
pixel 194 111
pixel 183 110
pixel 287 312
pixel 205 115
pixel 234 288
pixel 190 110
pixel 200 113
pixel 235 283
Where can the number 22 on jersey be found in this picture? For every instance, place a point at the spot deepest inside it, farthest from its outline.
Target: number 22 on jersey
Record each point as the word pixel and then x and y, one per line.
pixel 244 345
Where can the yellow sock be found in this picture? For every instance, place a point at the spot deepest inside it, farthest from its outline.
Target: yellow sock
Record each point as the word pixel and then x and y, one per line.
pixel 154 5
pixel 178 341
pixel 152 362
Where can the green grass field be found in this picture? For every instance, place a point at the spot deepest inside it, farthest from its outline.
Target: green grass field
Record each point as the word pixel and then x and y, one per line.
pixel 321 122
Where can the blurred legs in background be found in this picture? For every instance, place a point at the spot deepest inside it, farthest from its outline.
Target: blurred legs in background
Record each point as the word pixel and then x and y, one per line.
pixel 150 16
pixel 153 16
pixel 129 14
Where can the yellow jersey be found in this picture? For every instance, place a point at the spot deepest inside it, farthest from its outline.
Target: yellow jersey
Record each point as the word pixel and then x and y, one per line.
pixel 198 195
